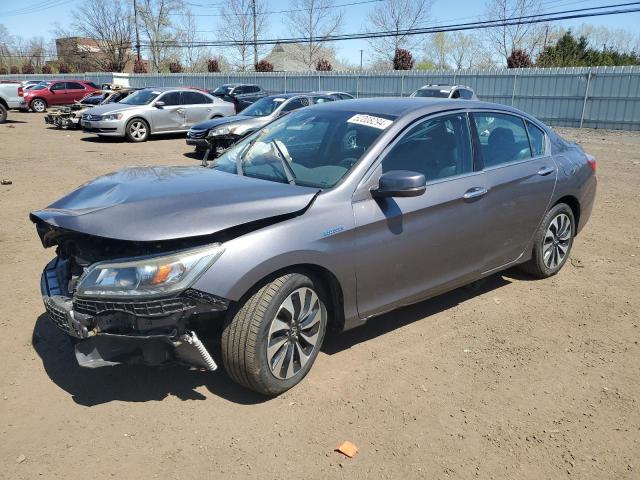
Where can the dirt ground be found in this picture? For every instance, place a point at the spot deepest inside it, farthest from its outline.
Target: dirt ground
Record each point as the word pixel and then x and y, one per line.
pixel 521 379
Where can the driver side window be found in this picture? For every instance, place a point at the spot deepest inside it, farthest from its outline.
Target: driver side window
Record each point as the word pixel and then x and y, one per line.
pixel 437 148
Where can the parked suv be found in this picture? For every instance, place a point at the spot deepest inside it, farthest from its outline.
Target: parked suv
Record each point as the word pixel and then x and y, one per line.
pixel 240 94
pixel 220 133
pixel 446 91
pixel 154 111
pixel 58 92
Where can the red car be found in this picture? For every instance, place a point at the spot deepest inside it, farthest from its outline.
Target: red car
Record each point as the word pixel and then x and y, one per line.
pixel 57 92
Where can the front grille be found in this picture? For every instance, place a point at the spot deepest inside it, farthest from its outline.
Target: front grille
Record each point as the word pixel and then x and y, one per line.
pixel 150 308
pixel 197 133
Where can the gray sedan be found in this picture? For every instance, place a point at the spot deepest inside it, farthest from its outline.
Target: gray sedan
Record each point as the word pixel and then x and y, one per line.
pixel 154 111
pixel 324 218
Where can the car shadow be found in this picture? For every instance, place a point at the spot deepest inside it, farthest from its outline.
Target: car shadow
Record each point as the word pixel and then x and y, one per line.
pixel 9 121
pixel 94 138
pixel 128 383
pixel 336 342
pixel 139 383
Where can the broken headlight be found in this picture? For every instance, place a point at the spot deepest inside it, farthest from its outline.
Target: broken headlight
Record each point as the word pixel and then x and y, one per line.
pixel 231 130
pixel 150 276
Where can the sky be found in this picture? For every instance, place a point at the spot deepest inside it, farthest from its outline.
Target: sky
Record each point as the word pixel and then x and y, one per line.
pixel 41 23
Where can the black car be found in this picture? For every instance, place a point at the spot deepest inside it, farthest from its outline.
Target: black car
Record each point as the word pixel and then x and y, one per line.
pixel 242 95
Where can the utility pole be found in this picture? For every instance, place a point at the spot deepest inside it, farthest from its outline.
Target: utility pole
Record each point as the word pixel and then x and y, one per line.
pixel 135 18
pixel 255 33
pixel 361 59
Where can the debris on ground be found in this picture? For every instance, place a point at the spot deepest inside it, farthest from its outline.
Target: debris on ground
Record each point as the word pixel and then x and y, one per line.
pixel 5 181
pixel 347 448
pixel 21 458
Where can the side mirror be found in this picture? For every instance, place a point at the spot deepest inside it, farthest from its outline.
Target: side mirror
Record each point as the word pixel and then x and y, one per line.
pixel 400 183
pixel 159 104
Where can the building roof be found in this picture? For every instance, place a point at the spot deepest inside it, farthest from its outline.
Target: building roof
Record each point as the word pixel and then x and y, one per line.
pixel 286 57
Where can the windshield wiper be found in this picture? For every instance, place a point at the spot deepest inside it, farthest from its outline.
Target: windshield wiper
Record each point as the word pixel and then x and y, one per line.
pixel 288 171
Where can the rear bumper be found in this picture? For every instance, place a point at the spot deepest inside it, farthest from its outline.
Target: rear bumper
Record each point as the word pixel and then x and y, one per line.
pixel 587 200
pixel 111 332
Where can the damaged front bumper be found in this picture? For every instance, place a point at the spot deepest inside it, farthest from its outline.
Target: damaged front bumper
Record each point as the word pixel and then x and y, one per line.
pixel 151 331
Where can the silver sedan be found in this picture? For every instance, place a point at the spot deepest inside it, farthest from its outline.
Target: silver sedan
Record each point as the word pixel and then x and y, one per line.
pixel 154 111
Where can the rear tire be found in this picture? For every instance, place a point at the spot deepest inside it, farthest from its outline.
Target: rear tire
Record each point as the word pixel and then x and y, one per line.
pixel 552 242
pixel 271 341
pixel 3 114
pixel 137 130
pixel 38 105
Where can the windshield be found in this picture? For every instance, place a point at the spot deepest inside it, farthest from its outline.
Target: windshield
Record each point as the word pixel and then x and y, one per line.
pixel 318 146
pixel 263 107
pixel 223 89
pixel 431 92
pixel 141 97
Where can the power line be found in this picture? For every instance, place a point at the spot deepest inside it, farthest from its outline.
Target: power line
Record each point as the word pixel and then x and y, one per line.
pixel 522 20
pixel 281 11
pixel 45 5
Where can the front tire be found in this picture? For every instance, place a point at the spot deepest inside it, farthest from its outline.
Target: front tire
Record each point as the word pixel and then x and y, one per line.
pixel 552 242
pixel 38 105
pixel 270 343
pixel 137 130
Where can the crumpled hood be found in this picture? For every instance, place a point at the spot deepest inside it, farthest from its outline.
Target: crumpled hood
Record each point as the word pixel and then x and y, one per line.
pixel 216 122
pixel 165 203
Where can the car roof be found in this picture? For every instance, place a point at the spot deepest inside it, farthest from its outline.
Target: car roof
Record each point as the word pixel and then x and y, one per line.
pixel 402 106
pixel 170 89
pixel 292 95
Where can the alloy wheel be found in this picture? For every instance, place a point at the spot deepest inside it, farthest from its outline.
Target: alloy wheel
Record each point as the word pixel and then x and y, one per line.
pixel 38 106
pixel 557 239
pixel 138 130
pixel 294 333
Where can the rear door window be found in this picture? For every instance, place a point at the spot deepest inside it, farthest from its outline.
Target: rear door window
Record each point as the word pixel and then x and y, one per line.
pixel 503 138
pixel 194 98
pixel 74 86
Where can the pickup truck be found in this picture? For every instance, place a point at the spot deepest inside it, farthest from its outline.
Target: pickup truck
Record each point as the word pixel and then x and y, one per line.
pixel 11 96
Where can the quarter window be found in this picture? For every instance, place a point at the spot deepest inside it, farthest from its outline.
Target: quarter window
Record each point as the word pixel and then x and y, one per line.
pixel 438 148
pixel 503 138
pixel 536 137
pixel 466 94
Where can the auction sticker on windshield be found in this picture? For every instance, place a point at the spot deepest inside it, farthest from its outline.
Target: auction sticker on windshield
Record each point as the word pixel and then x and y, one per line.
pixel 370 121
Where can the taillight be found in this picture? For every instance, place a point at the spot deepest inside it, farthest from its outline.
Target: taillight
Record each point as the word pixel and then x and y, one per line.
pixel 20 92
pixel 592 162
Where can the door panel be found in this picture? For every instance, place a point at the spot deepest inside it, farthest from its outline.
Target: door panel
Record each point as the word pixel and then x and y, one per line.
pixel 197 108
pixel 520 187
pixel 170 116
pixel 413 247
pixel 409 248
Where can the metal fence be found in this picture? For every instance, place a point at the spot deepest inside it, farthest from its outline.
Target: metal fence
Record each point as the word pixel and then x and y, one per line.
pixel 600 97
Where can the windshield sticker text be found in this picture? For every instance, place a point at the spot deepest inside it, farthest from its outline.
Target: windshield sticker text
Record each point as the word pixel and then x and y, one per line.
pixel 370 121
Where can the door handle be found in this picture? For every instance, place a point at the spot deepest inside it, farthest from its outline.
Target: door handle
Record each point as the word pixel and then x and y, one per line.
pixel 546 171
pixel 475 192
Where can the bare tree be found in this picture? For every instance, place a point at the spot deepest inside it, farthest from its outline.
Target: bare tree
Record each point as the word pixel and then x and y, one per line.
pixel 505 39
pixel 397 16
pixel 194 57
pixel 160 32
pixel 110 25
pixel 237 24
pixel 315 21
